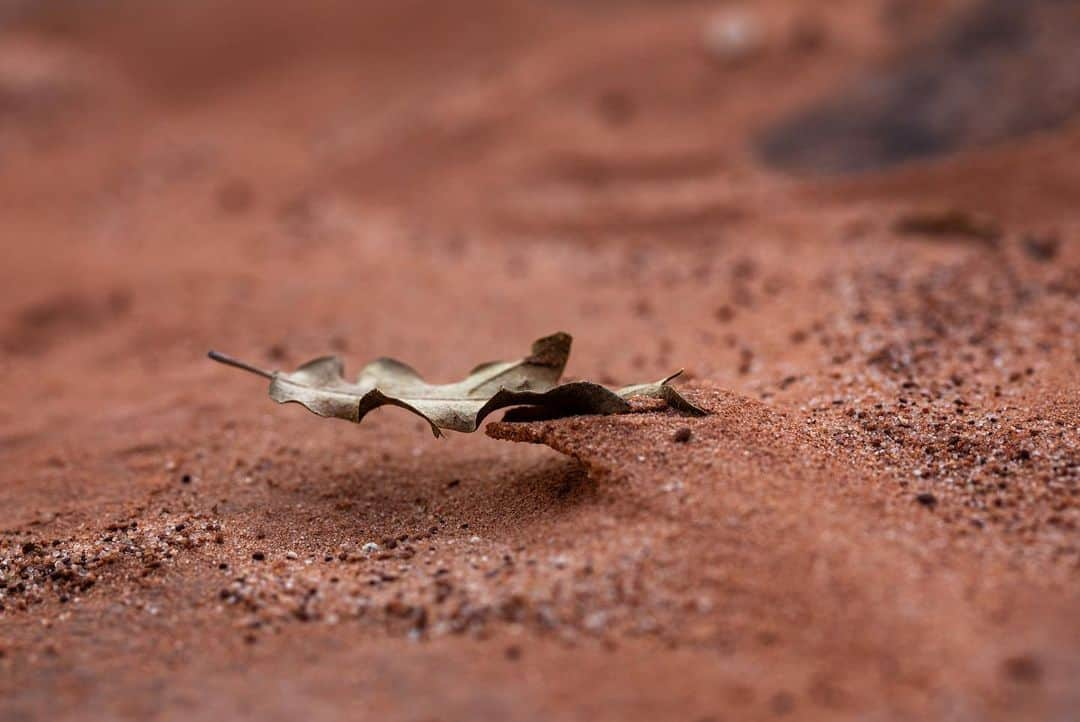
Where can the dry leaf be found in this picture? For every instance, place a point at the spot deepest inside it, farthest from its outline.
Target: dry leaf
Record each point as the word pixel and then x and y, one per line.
pixel 320 386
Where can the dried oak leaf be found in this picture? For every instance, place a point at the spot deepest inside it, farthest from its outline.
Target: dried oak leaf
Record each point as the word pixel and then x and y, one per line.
pixel 321 387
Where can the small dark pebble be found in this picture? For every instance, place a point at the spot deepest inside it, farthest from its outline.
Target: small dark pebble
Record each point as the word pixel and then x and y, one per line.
pixel 258 556
pixel 1023 668
pixel 185 479
pixel 682 435
pixel 1042 247
pixel 926 499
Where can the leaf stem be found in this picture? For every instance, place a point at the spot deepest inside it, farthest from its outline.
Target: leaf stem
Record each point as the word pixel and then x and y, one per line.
pixel 230 361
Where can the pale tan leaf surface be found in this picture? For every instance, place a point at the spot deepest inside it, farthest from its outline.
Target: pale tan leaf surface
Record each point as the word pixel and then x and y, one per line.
pixel 321 387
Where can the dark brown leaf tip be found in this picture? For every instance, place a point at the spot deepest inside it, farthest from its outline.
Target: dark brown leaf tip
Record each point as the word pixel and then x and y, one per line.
pixel 551 350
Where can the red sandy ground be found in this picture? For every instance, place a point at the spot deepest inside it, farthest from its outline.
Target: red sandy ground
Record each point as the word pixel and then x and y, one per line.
pixel 878 520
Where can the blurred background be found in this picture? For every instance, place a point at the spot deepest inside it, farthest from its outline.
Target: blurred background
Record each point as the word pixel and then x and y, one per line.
pixel 297 176
pixel 293 177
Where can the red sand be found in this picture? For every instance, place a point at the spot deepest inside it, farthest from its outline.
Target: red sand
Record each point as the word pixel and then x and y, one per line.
pixel 878 521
